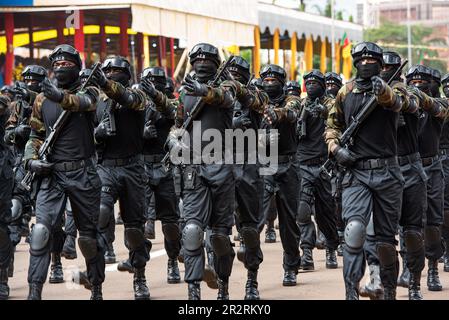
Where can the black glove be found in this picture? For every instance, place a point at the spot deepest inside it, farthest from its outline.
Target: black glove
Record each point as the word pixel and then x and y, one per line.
pixel 149 131
pixel 379 85
pixel 22 93
pixel 344 157
pixel 51 91
pixel 100 78
pixel 194 88
pixel 22 131
pixel 40 167
pixel 148 88
pixel 101 131
pixel 270 116
pixel 241 122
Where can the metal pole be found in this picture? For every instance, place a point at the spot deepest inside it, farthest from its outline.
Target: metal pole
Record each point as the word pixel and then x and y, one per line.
pixel 133 60
pixel 333 35
pixel 409 34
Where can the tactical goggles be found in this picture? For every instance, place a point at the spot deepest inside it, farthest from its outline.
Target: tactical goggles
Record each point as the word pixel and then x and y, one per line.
pixel 241 63
pixel 34 70
pixel 153 72
pixel 116 62
pixel 419 71
pixel 391 58
pixel 203 48
pixel 272 70
pixel 63 48
pixel 366 49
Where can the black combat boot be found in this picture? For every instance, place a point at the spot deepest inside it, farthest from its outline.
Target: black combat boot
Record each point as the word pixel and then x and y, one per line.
pixel 109 254
pixel 352 291
pixel 251 292
pixel 331 259
pixel 125 265
pixel 433 279
pixel 173 271
pixel 373 288
pixel 404 278
pixel 149 230
pixel 414 287
pixel 4 289
pixel 270 233
pixel 289 278
pixel 194 290
pixel 69 249
pixel 307 259
pixel 35 292
pixel 223 293
pixel 56 273
pixel 141 291
pixel 96 293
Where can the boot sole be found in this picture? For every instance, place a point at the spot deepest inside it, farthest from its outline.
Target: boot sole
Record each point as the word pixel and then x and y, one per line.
pixel 376 295
pixel 142 298
pixel 332 266
pixel 125 269
pixel 270 241
pixel 289 284
pixel 110 261
pixel 308 268
pixel 173 281
pixel 435 289
pixel 55 281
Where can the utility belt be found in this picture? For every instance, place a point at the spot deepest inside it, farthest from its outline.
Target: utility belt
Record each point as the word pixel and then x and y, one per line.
pixel 371 164
pixel 408 159
pixel 314 162
pixel 72 165
pixel 121 162
pixel 430 160
pixel 152 158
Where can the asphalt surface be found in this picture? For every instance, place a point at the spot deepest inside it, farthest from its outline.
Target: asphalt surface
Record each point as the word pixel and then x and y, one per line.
pixel 321 284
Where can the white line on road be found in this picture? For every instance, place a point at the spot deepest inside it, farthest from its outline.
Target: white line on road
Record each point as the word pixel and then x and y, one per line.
pixel 154 254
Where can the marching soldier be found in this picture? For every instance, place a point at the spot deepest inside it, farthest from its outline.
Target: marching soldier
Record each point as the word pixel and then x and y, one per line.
pixel 68 173
pixel 444 152
pixel 333 84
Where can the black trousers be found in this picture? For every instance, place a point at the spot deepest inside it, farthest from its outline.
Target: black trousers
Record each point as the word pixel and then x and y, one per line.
pixel 82 187
pixel 6 185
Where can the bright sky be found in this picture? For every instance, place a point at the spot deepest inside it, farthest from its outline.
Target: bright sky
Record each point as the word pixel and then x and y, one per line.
pixel 348 7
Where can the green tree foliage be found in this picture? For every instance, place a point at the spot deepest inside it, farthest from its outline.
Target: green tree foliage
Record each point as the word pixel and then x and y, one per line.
pixel 351 18
pixel 392 33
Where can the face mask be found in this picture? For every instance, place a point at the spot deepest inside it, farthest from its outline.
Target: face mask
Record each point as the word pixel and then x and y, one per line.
pixel 366 71
pixel 35 86
pixel 120 77
pixel 332 90
pixel 434 89
pixel 314 90
pixel 446 91
pixel 386 75
pixel 205 70
pixel 238 77
pixel 423 86
pixel 160 84
pixel 66 76
pixel 273 89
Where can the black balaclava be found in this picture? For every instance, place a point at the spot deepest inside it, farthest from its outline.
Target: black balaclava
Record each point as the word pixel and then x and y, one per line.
pixel 386 75
pixel 274 89
pixel 364 74
pixel 66 76
pixel 314 89
pixel 205 70
pixel 435 89
pixel 121 77
pixel 34 85
pixel 423 86
pixel 332 89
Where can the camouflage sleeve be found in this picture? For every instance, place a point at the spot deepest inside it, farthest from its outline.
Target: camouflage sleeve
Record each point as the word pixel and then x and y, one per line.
pixel 13 119
pixel 38 133
pixel 401 91
pixel 290 111
pixel 328 103
pixel 252 99
pixel 134 99
pixel 31 97
pixel 436 107
pixel 389 99
pixel 164 104
pixel 179 113
pixel 219 95
pixel 336 121
pixel 81 101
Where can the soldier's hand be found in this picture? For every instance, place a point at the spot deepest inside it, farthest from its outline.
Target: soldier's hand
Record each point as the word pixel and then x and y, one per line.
pixel 100 78
pixel 344 157
pixel 241 122
pixel 51 91
pixel 22 131
pixel 101 131
pixel 148 88
pixel 194 88
pixel 379 85
pixel 149 131
pixel 40 167
pixel 270 116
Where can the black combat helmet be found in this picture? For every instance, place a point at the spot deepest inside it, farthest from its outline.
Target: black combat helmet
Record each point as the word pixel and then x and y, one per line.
pixel 65 52
pixel 117 62
pixel 391 58
pixel 315 75
pixel 333 78
pixel 293 88
pixel 273 71
pixel 155 75
pixel 204 51
pixel 419 72
pixel 85 73
pixel 34 72
pixel 445 79
pixel 241 67
pixel 366 50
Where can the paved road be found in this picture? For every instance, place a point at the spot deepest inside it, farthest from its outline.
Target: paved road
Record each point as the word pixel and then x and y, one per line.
pixel 321 284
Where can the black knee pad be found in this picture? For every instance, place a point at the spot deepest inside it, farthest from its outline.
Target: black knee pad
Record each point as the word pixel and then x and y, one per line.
pixel 171 231
pixel 355 235
pixel 304 213
pixel 250 237
pixel 134 238
pixel 221 244
pixel 39 239
pixel 105 216
pixel 387 254
pixel 414 241
pixel 88 246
